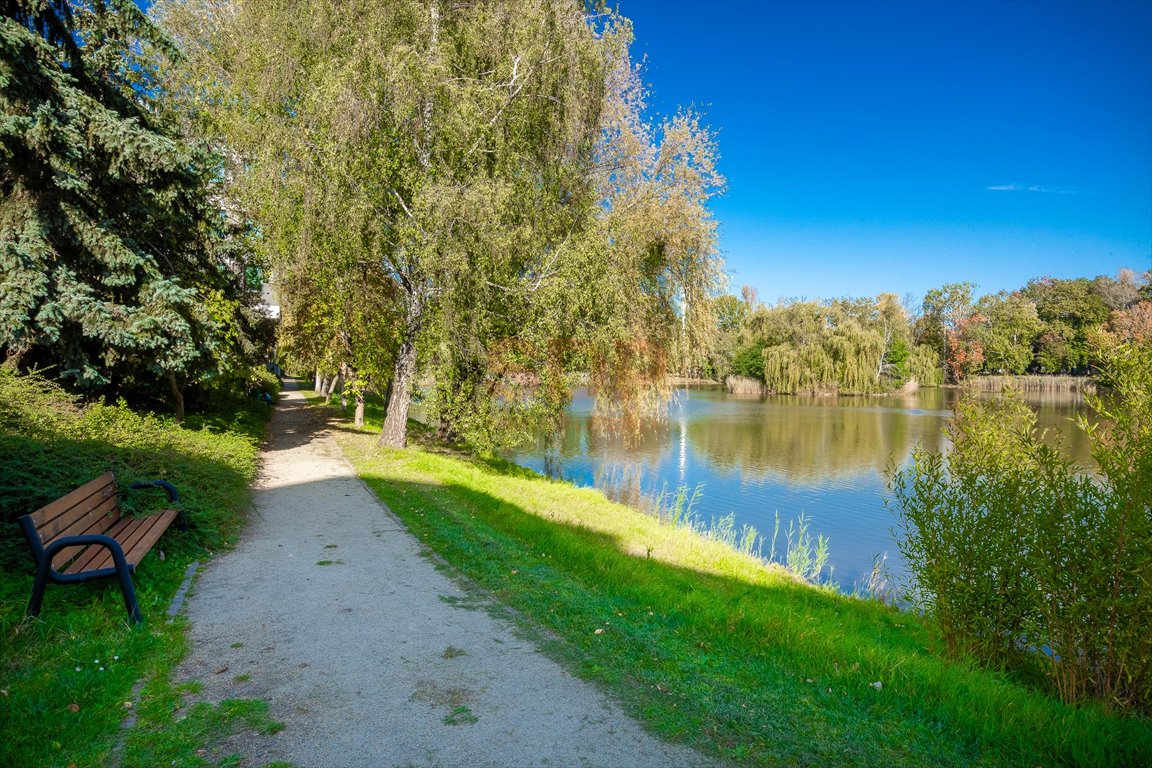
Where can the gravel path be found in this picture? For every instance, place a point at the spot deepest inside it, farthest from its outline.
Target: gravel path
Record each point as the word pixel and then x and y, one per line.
pixel 331 611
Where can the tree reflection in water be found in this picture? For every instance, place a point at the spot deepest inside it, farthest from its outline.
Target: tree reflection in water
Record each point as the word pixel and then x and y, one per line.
pixel 824 457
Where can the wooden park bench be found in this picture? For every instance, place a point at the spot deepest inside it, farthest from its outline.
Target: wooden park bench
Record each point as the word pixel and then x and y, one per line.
pixel 84 535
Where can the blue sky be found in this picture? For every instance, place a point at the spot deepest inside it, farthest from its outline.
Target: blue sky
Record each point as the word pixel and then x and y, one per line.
pixel 897 146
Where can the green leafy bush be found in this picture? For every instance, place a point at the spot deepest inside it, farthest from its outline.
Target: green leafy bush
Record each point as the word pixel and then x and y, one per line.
pixel 749 361
pixel 1026 561
pixel 265 381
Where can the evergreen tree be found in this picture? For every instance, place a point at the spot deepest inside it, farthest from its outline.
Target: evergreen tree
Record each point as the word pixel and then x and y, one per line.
pixel 113 262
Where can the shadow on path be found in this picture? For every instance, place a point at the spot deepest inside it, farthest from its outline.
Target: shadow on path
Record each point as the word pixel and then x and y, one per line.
pixel 336 616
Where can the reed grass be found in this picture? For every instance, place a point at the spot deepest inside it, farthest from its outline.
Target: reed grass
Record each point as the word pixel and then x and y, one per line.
pixel 744 385
pixel 1041 384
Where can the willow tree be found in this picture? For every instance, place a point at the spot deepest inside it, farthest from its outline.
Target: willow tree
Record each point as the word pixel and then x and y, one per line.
pixel 457 152
pixel 656 242
pixel 849 345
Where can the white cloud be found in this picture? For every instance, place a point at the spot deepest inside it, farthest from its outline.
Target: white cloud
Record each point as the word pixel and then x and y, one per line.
pixel 1033 188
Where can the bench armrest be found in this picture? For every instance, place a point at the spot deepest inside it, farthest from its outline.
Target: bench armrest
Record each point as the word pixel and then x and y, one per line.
pixel 97 539
pixel 173 496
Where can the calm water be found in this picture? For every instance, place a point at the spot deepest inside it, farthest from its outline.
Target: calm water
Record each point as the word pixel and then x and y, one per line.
pixel 755 457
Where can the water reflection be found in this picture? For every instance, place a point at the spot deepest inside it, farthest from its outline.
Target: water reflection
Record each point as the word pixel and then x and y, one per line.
pixel 756 457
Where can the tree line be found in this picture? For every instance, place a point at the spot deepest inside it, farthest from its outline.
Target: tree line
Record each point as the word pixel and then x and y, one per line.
pixel 860 345
pixel 467 194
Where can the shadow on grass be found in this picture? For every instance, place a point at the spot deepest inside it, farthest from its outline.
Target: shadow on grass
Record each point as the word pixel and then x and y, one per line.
pixel 757 669
pixel 67 675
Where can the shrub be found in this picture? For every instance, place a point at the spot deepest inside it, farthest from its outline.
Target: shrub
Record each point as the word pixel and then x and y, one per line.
pixel 749 361
pixel 1026 561
pixel 264 380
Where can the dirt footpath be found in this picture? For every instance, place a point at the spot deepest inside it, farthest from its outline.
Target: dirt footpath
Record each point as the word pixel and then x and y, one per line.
pixel 331 612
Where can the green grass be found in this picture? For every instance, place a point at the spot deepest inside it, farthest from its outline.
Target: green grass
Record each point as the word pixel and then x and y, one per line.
pixel 68 676
pixel 712 648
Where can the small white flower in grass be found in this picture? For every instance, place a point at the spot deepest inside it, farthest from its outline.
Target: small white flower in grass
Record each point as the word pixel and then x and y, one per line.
pixel 101 669
pixel 95 661
pixel 77 669
pixel 877 685
pixel 115 658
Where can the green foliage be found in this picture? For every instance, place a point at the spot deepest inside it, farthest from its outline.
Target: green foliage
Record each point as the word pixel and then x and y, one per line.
pixel 436 183
pixel 112 248
pixel 1069 310
pixel 50 444
pixel 1025 561
pixel 963 524
pixel 712 647
pixel 1008 324
pixel 924 366
pixel 941 312
pixel 840 346
pixel 749 361
pixel 844 346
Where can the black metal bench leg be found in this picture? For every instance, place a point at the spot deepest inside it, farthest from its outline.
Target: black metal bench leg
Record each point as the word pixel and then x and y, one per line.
pixel 38 586
pixel 129 591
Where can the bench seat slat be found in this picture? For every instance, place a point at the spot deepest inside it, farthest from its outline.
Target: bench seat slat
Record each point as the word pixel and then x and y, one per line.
pixel 100 521
pixel 150 534
pixel 80 559
pixel 136 536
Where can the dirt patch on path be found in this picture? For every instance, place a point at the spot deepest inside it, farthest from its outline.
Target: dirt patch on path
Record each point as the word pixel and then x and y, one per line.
pixel 331 611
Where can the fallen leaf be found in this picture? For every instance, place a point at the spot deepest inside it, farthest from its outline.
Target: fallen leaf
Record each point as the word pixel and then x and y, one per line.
pixel 600 630
pixel 877 685
pixel 73 707
pixel 222 670
pixel 127 705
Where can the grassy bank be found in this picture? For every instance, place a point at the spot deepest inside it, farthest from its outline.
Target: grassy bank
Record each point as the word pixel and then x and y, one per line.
pixel 67 678
pixel 713 649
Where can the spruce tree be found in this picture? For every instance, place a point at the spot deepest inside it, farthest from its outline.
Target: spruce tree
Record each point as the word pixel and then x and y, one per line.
pixel 111 270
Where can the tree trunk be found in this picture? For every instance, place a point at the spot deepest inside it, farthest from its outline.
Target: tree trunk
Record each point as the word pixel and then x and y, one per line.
pixel 395 432
pixel 345 375
pixel 354 381
pixel 319 381
pixel 177 395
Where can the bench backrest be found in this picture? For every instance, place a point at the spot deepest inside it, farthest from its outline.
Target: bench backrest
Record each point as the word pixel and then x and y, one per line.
pixel 91 508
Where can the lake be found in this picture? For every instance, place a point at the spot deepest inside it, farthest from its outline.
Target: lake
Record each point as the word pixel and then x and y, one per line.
pixel 754 457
